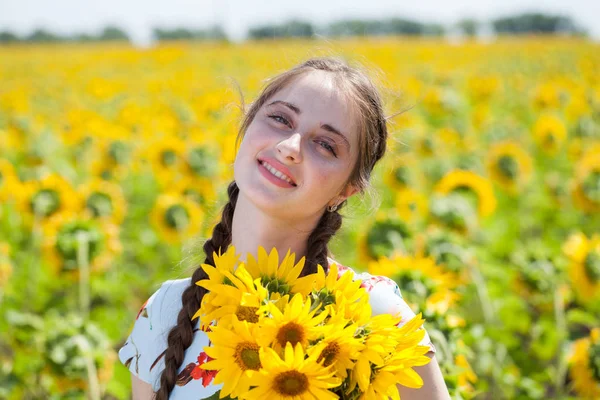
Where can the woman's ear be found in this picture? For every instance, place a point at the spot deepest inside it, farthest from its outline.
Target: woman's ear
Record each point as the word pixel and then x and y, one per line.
pixel 348 191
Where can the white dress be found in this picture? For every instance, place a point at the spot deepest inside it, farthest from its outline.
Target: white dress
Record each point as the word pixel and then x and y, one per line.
pixel 144 349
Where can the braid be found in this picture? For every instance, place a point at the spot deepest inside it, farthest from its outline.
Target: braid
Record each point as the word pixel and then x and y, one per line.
pixel 181 335
pixel 316 247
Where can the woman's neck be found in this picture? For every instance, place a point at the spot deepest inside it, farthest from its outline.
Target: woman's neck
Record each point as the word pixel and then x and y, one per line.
pixel 252 227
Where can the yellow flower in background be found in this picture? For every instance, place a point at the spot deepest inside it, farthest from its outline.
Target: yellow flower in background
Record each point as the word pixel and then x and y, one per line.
pixel 383 237
pixel 411 205
pixel 47 196
pixel 584 269
pixel 549 132
pixel 202 191
pixel 167 157
pixel 585 366
pixel 292 376
pixel 104 199
pixel 400 172
pixel 176 218
pixel 585 186
pixel 235 354
pixel 419 278
pixel 546 96
pixel 478 185
pixel 509 165
pixel 9 182
pixel 202 160
pixel 482 88
pixel 70 239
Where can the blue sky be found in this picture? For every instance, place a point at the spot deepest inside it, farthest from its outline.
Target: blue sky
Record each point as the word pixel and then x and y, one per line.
pixel 139 16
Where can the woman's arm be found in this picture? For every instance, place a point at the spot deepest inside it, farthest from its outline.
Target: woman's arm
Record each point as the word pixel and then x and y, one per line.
pixel 140 390
pixel 434 387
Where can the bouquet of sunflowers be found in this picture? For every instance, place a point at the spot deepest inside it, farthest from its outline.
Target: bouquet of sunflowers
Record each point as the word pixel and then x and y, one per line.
pixel 277 335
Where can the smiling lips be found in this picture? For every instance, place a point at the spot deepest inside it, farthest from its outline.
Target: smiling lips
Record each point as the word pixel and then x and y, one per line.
pixel 277 171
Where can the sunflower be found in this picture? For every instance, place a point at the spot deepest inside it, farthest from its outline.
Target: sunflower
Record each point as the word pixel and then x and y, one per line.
pixel 420 278
pixel 401 172
pixel 218 279
pixel 47 196
pixel 201 160
pixel 166 157
pixel 390 349
pixel 386 235
pixel 104 199
pixel 479 186
pixel 509 165
pixel 292 377
pixel 200 190
pixel 546 96
pixel 296 324
pixel 341 295
pixel 234 295
pixel 584 270
pixel 585 366
pixel 549 133
pixel 8 180
pixel 279 278
pixel 585 186
pixel 338 345
pixel 69 236
pixel 111 160
pixel 176 217
pixel 411 205
pixel 235 355
pixel 482 88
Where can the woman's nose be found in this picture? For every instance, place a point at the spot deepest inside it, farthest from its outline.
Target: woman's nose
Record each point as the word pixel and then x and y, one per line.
pixel 290 147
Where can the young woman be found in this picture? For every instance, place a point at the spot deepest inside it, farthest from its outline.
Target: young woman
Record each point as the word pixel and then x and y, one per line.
pixel 309 142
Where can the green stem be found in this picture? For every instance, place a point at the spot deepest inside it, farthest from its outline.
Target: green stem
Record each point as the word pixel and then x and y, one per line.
pixel 84 274
pixel 94 386
pixel 561 326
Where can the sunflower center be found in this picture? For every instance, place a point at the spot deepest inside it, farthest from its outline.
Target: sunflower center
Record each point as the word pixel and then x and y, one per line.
pixel 594 361
pixel 453 210
pixel 275 285
pixel 591 186
pixel 100 204
pixel 416 282
pixel 291 332
pixel 244 313
pixel 201 162
pixel 386 236
pixel 45 202
pixel 168 158
pixel 329 354
pixel 508 167
pixel 592 266
pixel 195 195
pixel 401 175
pixel 67 243
pixel 290 383
pixel 177 217
pixel 246 356
pixel 118 152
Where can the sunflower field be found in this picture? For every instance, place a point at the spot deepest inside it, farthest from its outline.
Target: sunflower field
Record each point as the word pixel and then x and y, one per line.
pixel 114 163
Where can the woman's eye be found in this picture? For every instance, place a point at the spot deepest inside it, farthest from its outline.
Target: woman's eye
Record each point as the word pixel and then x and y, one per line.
pixel 328 147
pixel 282 119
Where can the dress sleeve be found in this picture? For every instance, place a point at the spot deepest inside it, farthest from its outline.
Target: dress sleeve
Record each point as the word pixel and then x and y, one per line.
pixel 145 342
pixel 385 297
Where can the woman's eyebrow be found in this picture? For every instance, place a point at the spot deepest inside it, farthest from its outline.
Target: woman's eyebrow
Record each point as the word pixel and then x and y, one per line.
pixel 327 127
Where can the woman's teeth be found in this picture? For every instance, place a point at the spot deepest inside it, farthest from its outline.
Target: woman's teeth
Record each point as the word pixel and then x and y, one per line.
pixel 277 173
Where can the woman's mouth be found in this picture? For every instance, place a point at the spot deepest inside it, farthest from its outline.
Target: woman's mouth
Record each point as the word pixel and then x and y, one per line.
pixel 274 175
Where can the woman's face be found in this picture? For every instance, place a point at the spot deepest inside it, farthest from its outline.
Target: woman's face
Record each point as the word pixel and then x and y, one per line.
pixel 307 132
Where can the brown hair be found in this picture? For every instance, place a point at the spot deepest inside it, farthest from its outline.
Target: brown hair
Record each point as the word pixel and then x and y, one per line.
pixel 372 130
